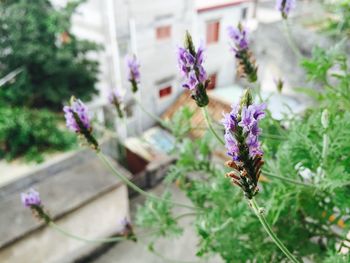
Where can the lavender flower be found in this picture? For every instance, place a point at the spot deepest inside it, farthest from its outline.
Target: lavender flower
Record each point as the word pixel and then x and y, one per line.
pixel 231 146
pixel 128 230
pixel 31 198
pixel 285 6
pixel 77 107
pixel 229 121
pixel 253 146
pixel 246 63
pixel 116 99
pixel 250 117
pixel 133 72
pixel 77 120
pixel 191 68
pixel 242 143
pixel 239 36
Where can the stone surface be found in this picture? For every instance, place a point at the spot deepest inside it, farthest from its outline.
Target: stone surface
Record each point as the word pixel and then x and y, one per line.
pixel 66 188
pixel 182 249
pixel 98 219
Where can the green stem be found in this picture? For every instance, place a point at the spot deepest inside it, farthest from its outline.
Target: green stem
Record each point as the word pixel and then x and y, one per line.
pixel 258 212
pixel 125 180
pixel 223 226
pixel 103 240
pixel 68 234
pixel 290 41
pixel 186 215
pixel 287 179
pixel 210 126
pixel 150 114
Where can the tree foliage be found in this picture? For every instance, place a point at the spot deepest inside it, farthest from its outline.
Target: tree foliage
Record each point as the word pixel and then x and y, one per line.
pixel 35 38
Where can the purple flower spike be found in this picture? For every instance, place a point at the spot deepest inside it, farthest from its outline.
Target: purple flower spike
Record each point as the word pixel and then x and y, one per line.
pixel 134 69
pixel 31 198
pixel 239 36
pixel 114 95
pixel 191 68
pixel 78 107
pixel 242 143
pixel 285 6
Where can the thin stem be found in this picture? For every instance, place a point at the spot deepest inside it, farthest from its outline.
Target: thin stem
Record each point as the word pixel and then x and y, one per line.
pixel 290 40
pixel 258 212
pixel 125 180
pixel 287 179
pixel 223 226
pixel 68 234
pixel 186 215
pixel 150 114
pixel 105 240
pixel 210 126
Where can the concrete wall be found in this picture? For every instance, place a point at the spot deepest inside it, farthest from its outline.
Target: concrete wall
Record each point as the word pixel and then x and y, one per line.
pixel 98 219
pixel 157 57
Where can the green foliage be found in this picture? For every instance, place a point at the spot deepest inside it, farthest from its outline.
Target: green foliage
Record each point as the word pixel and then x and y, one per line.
pixel 35 38
pixel 329 68
pixel 180 124
pixel 339 23
pixel 305 183
pixel 157 215
pixel 29 133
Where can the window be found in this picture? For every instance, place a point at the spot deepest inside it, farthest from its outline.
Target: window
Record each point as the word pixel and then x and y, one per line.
pixel 164 92
pixel 212 83
pixel 244 13
pixel 213 28
pixel 163 32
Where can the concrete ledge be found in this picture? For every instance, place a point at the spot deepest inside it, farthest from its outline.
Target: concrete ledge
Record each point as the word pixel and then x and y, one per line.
pixel 67 188
pixel 97 219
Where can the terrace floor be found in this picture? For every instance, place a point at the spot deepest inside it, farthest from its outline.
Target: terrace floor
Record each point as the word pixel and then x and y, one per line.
pixel 182 249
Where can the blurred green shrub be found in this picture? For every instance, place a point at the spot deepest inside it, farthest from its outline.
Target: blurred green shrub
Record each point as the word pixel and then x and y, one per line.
pixel 35 36
pixel 28 133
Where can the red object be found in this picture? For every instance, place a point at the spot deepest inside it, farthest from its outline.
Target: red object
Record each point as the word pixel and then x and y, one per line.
pixel 213 28
pixel 212 83
pixel 163 32
pixel 163 92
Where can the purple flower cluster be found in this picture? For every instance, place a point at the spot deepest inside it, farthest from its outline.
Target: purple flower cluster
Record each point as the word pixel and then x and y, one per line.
pixel 134 69
pixel 248 121
pixel 245 61
pixel 114 96
pixel 285 6
pixel 239 36
pixel 31 198
pixel 77 107
pixel 116 99
pixel 191 67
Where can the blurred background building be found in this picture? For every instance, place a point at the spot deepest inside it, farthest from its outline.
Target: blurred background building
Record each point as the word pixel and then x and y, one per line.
pixel 152 30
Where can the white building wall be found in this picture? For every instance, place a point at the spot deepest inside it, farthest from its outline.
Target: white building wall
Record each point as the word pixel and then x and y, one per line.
pixel 157 57
pixel 219 58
